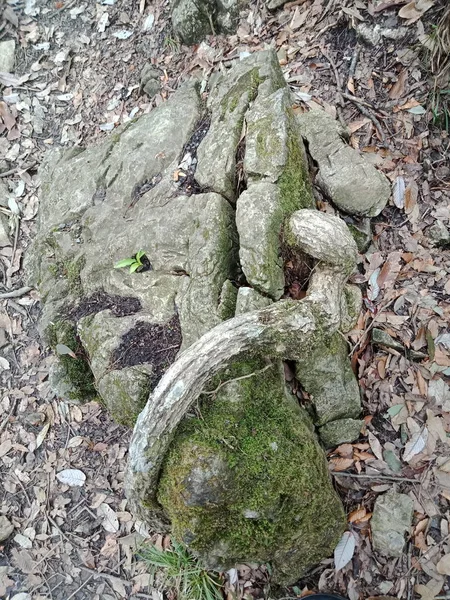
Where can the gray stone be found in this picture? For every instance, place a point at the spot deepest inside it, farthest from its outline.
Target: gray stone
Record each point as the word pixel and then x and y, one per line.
pixel 438 233
pixel 362 233
pixel 340 431
pixel 6 527
pixel 7 50
pixel 191 20
pixel 274 4
pixel 352 184
pixel 391 520
pixel 4 195
pixel 369 34
pixel 326 375
pixel 248 299
pixel 351 307
pixel 150 80
pixel 259 217
pixel 384 339
pixel 4 231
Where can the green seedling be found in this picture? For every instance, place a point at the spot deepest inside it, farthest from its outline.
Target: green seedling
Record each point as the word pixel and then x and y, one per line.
pixel 135 262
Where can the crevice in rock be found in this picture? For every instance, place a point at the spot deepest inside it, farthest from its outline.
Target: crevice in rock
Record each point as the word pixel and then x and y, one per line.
pixel 298 268
pixel 143 187
pixel 119 306
pixel 186 182
pixel 149 343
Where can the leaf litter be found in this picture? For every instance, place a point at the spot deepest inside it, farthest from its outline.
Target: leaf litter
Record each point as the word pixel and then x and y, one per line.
pixel 57 97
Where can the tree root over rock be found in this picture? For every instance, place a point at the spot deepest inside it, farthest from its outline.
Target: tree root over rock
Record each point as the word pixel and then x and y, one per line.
pixel 284 330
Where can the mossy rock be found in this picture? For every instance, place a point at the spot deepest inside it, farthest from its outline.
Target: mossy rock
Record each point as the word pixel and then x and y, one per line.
pixel 247 480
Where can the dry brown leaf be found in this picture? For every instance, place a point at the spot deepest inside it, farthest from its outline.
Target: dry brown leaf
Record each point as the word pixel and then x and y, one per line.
pixel 443 566
pixel 356 515
pixel 398 89
pixel 345 450
pixel 415 9
pixel 340 464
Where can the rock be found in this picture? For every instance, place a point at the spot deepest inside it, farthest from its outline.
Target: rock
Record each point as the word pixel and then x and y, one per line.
pixel 248 480
pixel 92 307
pixel 256 497
pixel 340 431
pixel 259 217
pixel 193 20
pixel 326 375
pixel 438 233
pixel 4 195
pixel 248 299
pixel 4 231
pixel 274 4
pixel 368 34
pixel 150 80
pixel 384 339
pixel 351 183
pixel 351 307
pixel 392 517
pixel 362 233
pixel 6 527
pixel 7 50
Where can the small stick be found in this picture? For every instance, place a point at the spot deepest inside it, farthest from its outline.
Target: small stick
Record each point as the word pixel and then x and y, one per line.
pixel 361 476
pixel 16 293
pixel 236 379
pixel 12 171
pixel 340 100
pixel 352 69
pixel 366 112
pixel 4 423
pixel 79 588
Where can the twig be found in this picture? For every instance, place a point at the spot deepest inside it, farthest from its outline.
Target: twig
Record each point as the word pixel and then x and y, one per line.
pixel 12 171
pixel 352 69
pixel 16 293
pixel 340 100
pixel 324 30
pixel 237 379
pixel 106 576
pixel 61 532
pixel 5 421
pixel 79 588
pixel 362 476
pixel 16 238
pixel 366 112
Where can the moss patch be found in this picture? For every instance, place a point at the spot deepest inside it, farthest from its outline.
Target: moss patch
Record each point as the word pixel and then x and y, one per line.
pixel 78 370
pixel 277 490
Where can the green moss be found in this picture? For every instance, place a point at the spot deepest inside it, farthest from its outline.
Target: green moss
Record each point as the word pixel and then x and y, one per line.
pixel 274 468
pixel 294 183
pixel 78 370
pixel 122 409
pixel 247 84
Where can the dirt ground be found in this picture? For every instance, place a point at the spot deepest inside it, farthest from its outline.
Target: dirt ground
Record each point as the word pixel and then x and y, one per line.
pixel 76 78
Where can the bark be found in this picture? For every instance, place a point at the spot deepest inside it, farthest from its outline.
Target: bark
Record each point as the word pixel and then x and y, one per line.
pixel 283 330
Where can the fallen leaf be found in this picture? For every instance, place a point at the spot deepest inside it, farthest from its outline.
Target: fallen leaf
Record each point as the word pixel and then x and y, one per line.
pixel 41 435
pixel 344 551
pixel 415 445
pixel 72 477
pixel 340 464
pixel 398 89
pixel 414 10
pixel 62 349
pixel 443 566
pixel 110 521
pixel 399 192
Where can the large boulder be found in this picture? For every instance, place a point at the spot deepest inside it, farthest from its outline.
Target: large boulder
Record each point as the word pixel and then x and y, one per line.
pixel 214 196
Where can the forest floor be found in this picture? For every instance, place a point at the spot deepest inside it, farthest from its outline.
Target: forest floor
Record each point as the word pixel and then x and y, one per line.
pixel 76 78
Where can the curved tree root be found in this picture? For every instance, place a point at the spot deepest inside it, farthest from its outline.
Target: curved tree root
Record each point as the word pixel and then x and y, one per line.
pixel 284 330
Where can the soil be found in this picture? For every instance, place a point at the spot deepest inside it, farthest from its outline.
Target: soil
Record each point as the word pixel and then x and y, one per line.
pixel 155 344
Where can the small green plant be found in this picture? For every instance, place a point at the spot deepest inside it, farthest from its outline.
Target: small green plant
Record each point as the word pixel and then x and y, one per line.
pixel 183 572
pixel 135 262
